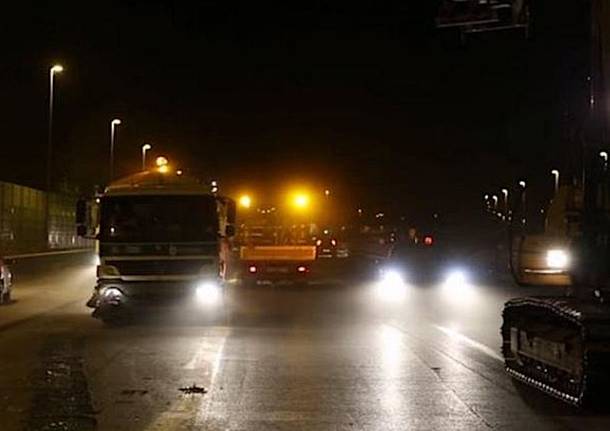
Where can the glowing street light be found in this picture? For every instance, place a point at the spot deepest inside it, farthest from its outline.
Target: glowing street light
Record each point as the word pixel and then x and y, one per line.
pixel 301 200
pixel 495 199
pixel 604 155
pixel 57 68
pixel 162 164
pixel 145 148
pixel 245 201
pixel 555 174
pixel 113 124
pixel 327 193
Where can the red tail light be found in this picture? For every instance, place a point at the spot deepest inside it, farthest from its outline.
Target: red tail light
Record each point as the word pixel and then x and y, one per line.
pixel 252 269
pixel 428 240
pixel 302 269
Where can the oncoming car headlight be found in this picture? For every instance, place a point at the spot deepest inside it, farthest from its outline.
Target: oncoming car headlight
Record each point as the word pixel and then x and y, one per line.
pixel 391 286
pixel 392 276
pixel 456 278
pixel 458 288
pixel 208 293
pixel 557 259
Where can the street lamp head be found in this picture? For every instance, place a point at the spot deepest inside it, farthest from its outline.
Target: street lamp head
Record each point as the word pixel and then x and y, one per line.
pixel 522 183
pixel 505 191
pixel 146 147
pixel 116 122
pixel 57 68
pixel 161 161
pixel 555 172
pixel 603 155
pixel 245 201
pixel 300 200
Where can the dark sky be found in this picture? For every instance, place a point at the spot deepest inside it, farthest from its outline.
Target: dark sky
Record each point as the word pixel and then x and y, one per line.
pixel 373 100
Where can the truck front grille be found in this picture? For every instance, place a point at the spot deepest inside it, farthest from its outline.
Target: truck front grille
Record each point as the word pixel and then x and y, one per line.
pixel 159 267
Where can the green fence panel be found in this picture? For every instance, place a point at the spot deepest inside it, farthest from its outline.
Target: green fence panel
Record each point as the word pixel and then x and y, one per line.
pixel 24 226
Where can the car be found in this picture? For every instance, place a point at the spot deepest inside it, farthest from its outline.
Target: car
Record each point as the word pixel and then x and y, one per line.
pixel 326 246
pixel 6 281
pixel 417 260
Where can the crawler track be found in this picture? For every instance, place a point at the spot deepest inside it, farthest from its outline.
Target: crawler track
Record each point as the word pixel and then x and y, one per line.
pixel 558 345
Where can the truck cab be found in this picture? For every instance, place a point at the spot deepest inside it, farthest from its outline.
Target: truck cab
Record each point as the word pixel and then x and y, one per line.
pixel 162 239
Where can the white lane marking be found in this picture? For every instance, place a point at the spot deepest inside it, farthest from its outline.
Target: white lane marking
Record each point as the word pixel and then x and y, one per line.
pixel 49 253
pixel 187 408
pixel 206 349
pixel 472 343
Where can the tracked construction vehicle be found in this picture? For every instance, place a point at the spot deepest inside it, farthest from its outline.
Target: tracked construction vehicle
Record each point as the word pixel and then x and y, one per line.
pixel 561 344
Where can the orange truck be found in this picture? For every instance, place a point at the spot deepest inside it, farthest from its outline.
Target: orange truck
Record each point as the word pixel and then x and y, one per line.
pixel 264 257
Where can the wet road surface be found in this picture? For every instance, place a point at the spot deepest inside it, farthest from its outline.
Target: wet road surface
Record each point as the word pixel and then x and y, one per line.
pixel 323 357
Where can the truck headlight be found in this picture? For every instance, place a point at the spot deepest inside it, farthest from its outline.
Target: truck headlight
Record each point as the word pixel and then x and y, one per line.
pixel 557 259
pixel 208 293
pixel 107 271
pixel 111 295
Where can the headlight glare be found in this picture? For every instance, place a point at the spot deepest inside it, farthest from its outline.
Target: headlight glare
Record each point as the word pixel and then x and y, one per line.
pixel 391 287
pixel 557 259
pixel 111 295
pixel 456 278
pixel 208 293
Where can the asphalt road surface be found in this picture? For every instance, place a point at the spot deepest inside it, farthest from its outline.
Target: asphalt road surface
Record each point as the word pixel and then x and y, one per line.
pixel 332 356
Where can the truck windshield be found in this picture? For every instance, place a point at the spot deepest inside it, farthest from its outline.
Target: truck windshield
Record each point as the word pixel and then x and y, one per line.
pixel 158 219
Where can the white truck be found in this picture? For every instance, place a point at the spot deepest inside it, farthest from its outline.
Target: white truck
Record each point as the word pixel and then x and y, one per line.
pixel 162 239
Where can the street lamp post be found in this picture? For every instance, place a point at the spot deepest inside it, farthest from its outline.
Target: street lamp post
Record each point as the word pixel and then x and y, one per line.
pixel 604 155
pixel 113 125
pixel 505 194
pixel 523 209
pixel 145 148
pixel 555 174
pixel 58 68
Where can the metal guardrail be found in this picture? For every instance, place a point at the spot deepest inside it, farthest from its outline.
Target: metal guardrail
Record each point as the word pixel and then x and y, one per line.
pixel 49 253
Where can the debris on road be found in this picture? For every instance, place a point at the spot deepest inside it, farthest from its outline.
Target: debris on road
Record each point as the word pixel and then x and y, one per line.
pixel 193 389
